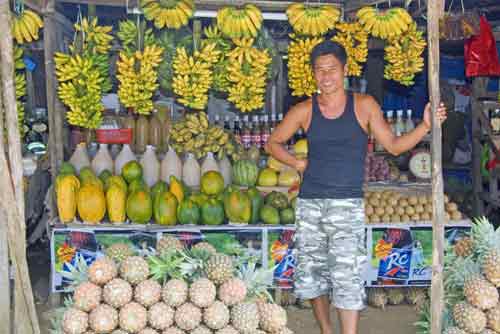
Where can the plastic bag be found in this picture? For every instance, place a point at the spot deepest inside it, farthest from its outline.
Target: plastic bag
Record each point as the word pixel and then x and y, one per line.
pixel 480 53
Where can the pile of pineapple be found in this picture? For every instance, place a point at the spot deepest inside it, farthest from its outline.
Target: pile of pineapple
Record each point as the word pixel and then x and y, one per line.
pixel 472 279
pixel 173 291
pixel 380 297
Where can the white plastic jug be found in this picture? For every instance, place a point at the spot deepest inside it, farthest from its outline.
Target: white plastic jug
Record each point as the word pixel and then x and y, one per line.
pixel 102 160
pixel 80 158
pixel 150 166
pixel 209 164
pixel 171 165
pixel 123 157
pixel 191 171
pixel 226 170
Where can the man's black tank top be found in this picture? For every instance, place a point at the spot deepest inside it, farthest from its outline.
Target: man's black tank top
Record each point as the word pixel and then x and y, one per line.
pixel 336 157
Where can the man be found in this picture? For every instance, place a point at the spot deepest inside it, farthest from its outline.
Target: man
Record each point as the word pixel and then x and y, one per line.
pixel 329 215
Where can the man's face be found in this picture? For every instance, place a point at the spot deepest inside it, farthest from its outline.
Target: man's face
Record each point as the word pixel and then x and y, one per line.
pixel 329 74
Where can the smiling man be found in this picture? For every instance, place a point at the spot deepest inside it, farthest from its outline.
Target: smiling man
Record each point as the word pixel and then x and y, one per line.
pixel 330 233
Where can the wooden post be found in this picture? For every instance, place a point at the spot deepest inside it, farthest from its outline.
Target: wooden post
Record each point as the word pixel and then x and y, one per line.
pixel 435 10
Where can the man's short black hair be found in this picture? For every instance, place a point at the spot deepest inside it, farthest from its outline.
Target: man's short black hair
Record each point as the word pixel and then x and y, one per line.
pixel 329 47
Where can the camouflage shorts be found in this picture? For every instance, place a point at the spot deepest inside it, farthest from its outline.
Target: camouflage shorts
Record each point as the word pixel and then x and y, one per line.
pixel 331 251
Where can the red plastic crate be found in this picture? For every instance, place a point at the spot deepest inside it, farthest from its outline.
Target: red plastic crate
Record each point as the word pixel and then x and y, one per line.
pixel 114 136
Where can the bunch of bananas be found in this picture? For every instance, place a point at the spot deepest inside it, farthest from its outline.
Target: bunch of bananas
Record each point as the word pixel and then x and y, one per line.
pixel 355 41
pixel 194 134
pixel 138 78
pixel 170 14
pixel 239 22
pixel 404 56
pixel 25 26
pixel 220 71
pixel 312 20
pixel 20 84
pixel 391 23
pixel 134 36
pixel 300 75
pixel 94 38
pixel 193 75
pixel 247 71
pixel 80 89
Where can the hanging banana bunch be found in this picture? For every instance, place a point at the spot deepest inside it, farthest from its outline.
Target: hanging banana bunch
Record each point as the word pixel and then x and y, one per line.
pixel 20 84
pixel 300 76
pixel 220 71
pixel 247 71
pixel 170 14
pixel 132 35
pixel 26 26
pixel 312 20
pixel 242 22
pixel 355 41
pixel 403 54
pixel 388 24
pixel 83 74
pixel 193 75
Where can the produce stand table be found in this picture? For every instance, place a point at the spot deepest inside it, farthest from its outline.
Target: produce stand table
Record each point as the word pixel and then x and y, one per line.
pixel 409 265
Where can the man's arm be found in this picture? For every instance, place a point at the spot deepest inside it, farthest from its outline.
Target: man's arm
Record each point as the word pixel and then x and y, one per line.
pixel 293 120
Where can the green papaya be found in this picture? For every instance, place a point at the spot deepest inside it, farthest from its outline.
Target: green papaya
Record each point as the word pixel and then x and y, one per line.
pixel 212 212
pixel 257 201
pixel 165 208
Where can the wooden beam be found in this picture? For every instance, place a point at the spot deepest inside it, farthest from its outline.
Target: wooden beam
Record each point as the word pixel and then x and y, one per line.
pixel 357 4
pixel 435 10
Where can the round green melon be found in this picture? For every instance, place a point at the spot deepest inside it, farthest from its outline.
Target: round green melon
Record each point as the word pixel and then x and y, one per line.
pixel 245 173
pixel 212 183
pixel 132 170
pixel 212 212
pixel 269 215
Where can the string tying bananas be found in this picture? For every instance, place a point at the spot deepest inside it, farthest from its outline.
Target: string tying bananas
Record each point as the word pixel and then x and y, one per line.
pixel 168 13
pixel 193 75
pixel 391 23
pixel 239 22
pixel 355 41
pixel 138 78
pixel 312 20
pixel 300 76
pixel 404 56
pixel 26 26
pixel 248 74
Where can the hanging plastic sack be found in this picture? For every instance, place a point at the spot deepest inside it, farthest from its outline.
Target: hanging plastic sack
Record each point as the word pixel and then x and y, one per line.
pixel 480 53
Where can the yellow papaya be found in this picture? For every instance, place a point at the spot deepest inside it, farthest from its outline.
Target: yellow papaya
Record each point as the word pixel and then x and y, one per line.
pixel 176 188
pixel 66 195
pixel 91 203
pixel 116 200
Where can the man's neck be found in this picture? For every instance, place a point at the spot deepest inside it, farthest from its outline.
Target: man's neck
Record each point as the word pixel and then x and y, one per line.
pixel 333 98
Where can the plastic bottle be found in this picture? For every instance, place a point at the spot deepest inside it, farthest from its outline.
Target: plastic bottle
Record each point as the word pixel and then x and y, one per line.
pixel 123 157
pixel 80 158
pixel 191 172
pixel 237 130
pixel 150 166
pixel 226 170
pixel 128 122
pixel 171 165
pixel 390 120
pixel 256 132
pixel 265 131
pixel 102 160
pixel 209 164
pixel 400 124
pixel 246 133
pixel 155 131
pixel 409 125
pixel 142 134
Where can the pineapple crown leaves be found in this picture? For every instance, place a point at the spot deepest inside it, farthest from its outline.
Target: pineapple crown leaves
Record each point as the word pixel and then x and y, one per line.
pixel 78 273
pixel 166 265
pixel 484 236
pixel 58 315
pixel 257 280
pixel 194 262
pixel 424 323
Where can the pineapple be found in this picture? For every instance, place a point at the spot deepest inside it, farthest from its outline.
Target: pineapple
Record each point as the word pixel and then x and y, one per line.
pixel 493 317
pixel 103 319
pixel 201 330
pixel 469 318
pixel 117 293
pixel 284 330
pixel 133 317
pixel 245 317
pixel 227 330
pixel 216 316
pixel 147 292
pixel 187 316
pixel 102 270
pixel 463 247
pixel 167 243
pixel 134 269
pixel 75 321
pixel 205 246
pixel 233 291
pixel 148 330
pixel 175 292
pixel 272 317
pixel 119 251
pixel 417 297
pixel 487 245
pixel 487 331
pixel 87 296
pixel 454 330
pixel 219 268
pixel 161 316
pixel 377 297
pixel 202 292
pixel 173 330
pixel 395 296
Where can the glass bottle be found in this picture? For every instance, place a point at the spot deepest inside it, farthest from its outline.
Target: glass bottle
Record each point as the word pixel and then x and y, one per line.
pixel 246 133
pixel 256 132
pixel 409 125
pixel 265 131
pixel 237 130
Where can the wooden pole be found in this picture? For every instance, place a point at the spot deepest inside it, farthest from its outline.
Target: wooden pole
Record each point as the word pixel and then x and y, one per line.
pixel 435 10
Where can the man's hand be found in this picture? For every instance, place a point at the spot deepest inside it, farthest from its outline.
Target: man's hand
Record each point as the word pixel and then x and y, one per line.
pixel 301 165
pixel 441 115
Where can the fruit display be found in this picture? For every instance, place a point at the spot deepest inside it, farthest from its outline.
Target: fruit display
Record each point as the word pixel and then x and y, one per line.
pixel 241 22
pixel 312 20
pixel 354 39
pixel 134 36
pixel 381 297
pixel 247 72
pixel 300 75
pixel 193 75
pixel 172 290
pixel 168 14
pixel 403 54
pixel 387 24
pixel 390 206
pixel 26 26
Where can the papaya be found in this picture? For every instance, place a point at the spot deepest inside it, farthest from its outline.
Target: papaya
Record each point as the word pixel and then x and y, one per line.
pixel 137 184
pixel 287 216
pixel 66 194
pixel 198 198
pixel 67 168
pixel 132 170
pixel 139 207
pixel 268 177
pixel 269 215
pixel 212 183
pixel 188 212
pixel 116 200
pixel 105 174
pixel 158 188
pixel 212 212
pixel 117 180
pixel 277 199
pixel 91 203
pixel 238 207
pixel 257 201
pixel 165 208
pixel 86 173
pixel 176 188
